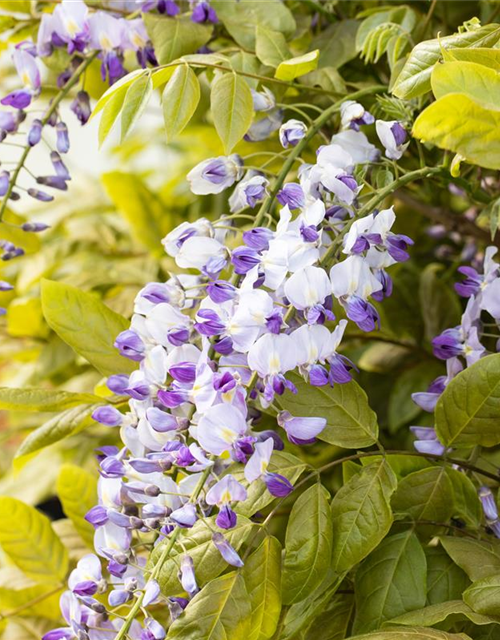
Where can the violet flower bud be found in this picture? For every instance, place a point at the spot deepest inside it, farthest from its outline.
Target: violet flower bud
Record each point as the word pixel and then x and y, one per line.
pixel 59 166
pixel 117 383
pixel 40 195
pixel 187 576
pixel 4 182
pixel 291 132
pixel 62 140
pixel 55 182
pixel 35 227
pixel 226 550
pixel 81 107
pixel 108 416
pixel 35 133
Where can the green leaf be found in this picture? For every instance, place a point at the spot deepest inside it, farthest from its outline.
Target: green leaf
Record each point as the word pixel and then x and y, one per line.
pixel 197 542
pixel 434 614
pixel 301 616
pixel 414 79
pixel 487 57
pixel 119 87
pixel 445 580
pixel 262 576
pixel 439 303
pixel 425 495
pixel 468 412
pixel 136 100
pixel 173 38
pixel 220 611
pixel 484 596
pixel 258 496
pixel 180 99
pixel 26 536
pixel 86 325
pixel 42 399
pixel 299 66
pixel 362 514
pixel 332 622
pixel 308 545
pixel 232 108
pixel 241 19
pixel 77 491
pixel 271 47
pixel 466 504
pixel 478 558
pixel 336 44
pixel 411 633
pixel 390 582
pixel 27 628
pixel 139 206
pixel 61 426
pixel 402 410
pixel 110 115
pixel 459 124
pixel 350 421
pixel 476 81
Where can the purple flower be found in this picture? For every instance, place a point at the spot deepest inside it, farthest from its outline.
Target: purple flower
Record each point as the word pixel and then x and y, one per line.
pixel 221 291
pixel 185 516
pixel 291 132
pixel 362 313
pixel 301 430
pixel 203 12
pixel 62 141
pixel 108 416
pixel 258 238
pixel 97 516
pixel 35 132
pixel 19 99
pixel 488 503
pixel 291 195
pixel 448 344
pixel 277 485
pixel 187 576
pixel 226 550
pixel 427 441
pixel 130 345
pixel 81 107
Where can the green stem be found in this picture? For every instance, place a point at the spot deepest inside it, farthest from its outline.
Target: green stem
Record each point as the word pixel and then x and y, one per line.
pixel 155 572
pixel 55 103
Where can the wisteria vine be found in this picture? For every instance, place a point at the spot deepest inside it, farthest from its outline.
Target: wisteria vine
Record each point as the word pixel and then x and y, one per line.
pixel 213 353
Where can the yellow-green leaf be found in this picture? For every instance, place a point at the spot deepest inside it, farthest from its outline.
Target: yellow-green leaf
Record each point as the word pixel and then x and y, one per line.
pixel 173 38
pixel 232 108
pixel 220 611
pixel 457 123
pixel 308 546
pixel 487 57
pixel 87 325
pixel 414 78
pixel 476 81
pixel 299 66
pixel 42 399
pixel 77 491
pixel 136 100
pixel 27 537
pixel 61 426
pixel 262 575
pixel 110 114
pixel 270 46
pixel 180 99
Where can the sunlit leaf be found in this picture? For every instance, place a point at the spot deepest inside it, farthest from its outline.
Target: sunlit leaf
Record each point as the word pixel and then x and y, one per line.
pixel 173 38
pixel 28 539
pixel 232 108
pixel 299 66
pixel 77 491
pixel 136 100
pixel 180 99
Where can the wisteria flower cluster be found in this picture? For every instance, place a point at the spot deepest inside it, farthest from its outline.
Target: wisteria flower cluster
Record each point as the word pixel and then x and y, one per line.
pixel 213 352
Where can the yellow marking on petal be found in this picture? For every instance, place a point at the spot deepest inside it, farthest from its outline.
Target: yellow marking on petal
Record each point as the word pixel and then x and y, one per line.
pixel 105 42
pixel 227 434
pixel 226 496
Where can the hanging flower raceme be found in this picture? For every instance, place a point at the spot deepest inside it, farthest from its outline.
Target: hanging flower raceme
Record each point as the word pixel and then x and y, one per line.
pixel 208 364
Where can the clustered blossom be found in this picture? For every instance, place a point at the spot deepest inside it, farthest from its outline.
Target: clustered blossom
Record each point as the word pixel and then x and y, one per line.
pixel 214 346
pixel 462 346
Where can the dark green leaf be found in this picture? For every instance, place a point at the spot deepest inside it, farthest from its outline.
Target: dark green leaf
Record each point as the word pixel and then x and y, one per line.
pixel 445 580
pixel 390 582
pixel 478 558
pixel 362 514
pixel 484 596
pixel 439 303
pixel 42 399
pixel 453 611
pixel 336 44
pixel 425 495
pixel 468 412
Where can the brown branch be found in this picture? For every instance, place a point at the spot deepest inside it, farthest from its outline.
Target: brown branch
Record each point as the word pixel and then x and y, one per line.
pixel 452 221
